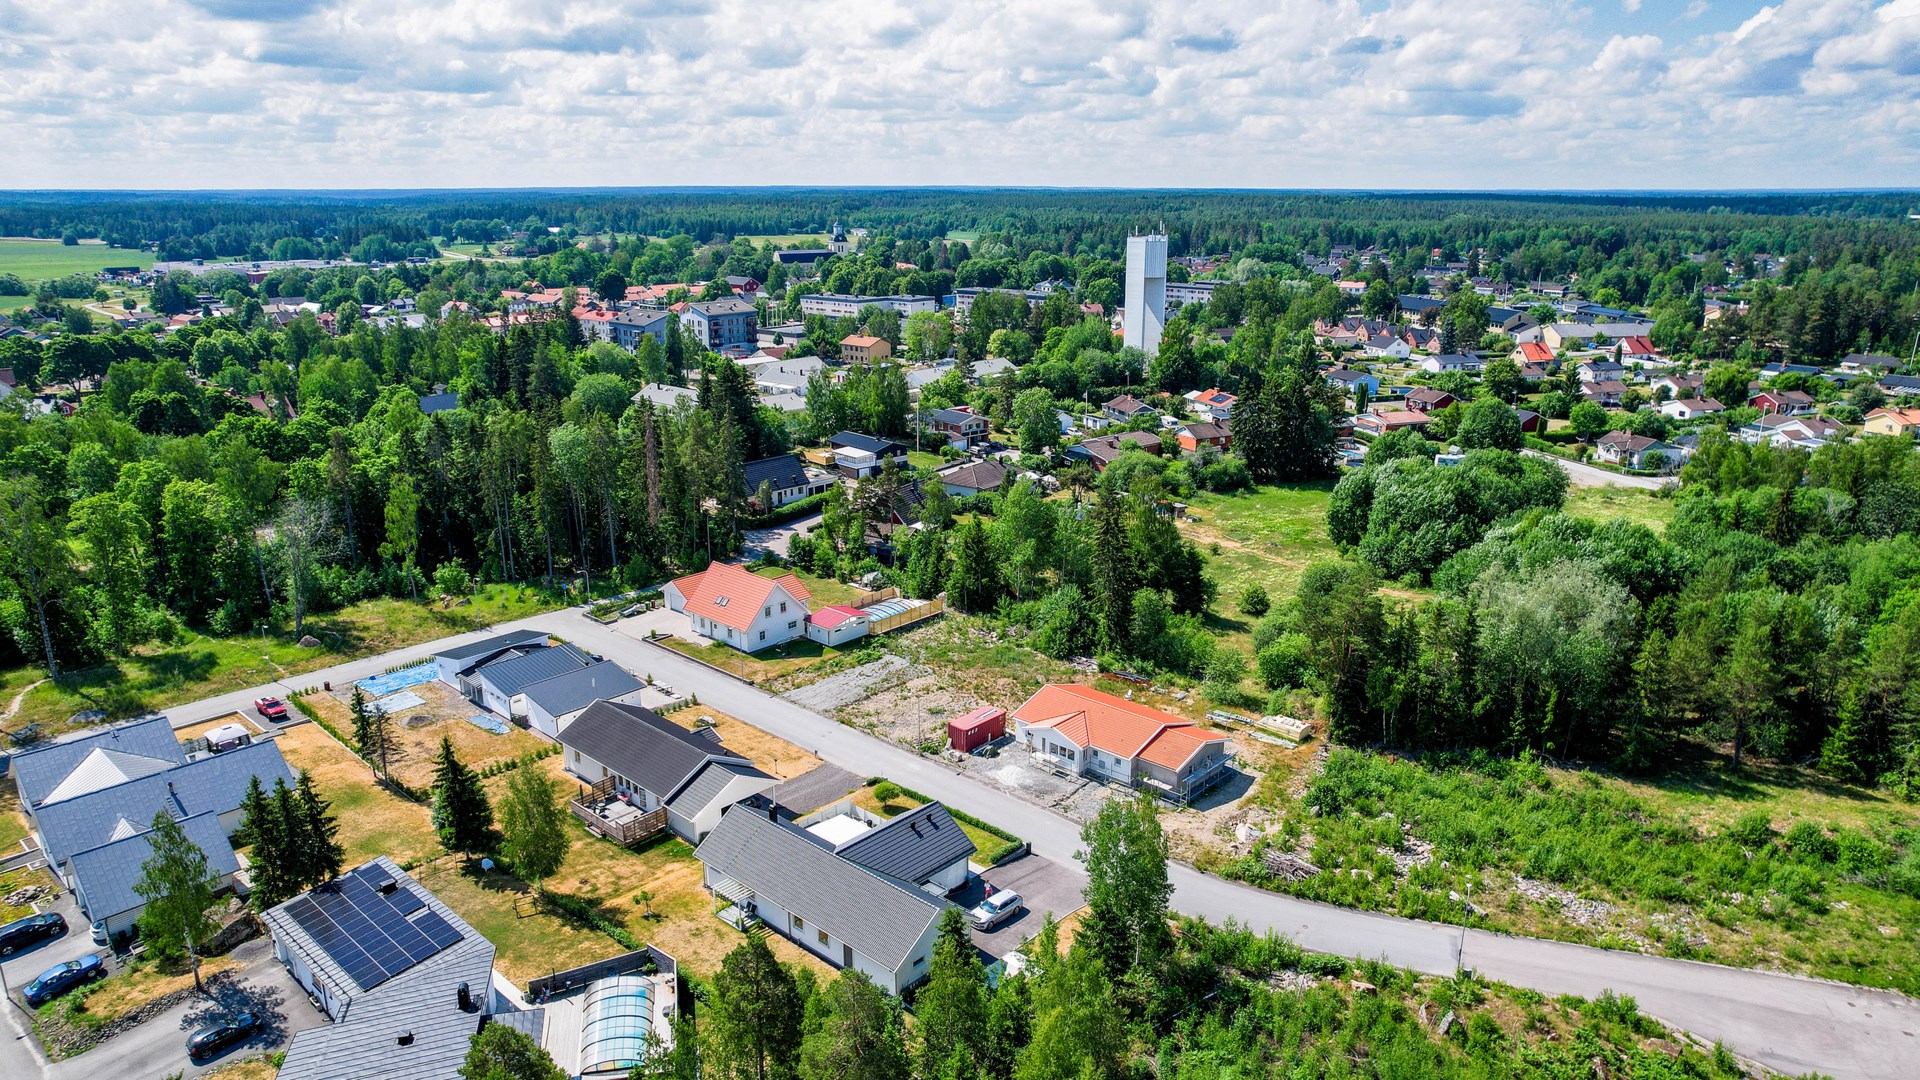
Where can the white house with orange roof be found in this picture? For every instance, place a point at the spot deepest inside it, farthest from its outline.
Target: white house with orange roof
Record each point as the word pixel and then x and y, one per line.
pixel 1086 732
pixel 735 606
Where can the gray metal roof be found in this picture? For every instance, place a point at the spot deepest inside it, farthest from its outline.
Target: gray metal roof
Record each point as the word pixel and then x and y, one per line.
pixel 107 874
pixel 39 770
pixel 212 784
pixel 497 643
pixel 710 783
pixel 643 746
pixel 576 690
pixel 433 403
pixel 363 1041
pixel 814 789
pixel 511 675
pixel 912 847
pixel 882 917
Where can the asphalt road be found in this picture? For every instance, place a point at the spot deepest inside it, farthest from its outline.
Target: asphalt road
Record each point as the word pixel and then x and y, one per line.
pixel 1583 475
pixel 1791 1024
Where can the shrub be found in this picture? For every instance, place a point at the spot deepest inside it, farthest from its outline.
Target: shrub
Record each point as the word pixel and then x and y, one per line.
pixel 1811 842
pixel 1254 600
pixel 452 579
pixel 1286 663
pixel 1751 830
pixel 886 791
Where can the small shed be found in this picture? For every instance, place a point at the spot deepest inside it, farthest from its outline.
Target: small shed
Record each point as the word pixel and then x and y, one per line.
pixel 976 729
pixel 228 737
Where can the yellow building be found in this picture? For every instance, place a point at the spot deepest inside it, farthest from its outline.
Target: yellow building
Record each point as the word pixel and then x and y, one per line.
pixel 1892 422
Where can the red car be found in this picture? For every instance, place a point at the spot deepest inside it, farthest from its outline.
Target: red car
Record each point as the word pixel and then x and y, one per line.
pixel 272 708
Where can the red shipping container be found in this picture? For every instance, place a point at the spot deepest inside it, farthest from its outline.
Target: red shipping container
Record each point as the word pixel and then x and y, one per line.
pixel 976 729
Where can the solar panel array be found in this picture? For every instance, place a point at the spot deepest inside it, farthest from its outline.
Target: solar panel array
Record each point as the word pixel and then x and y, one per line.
pixel 367 932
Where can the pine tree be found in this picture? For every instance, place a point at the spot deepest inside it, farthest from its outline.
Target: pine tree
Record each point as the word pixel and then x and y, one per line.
pixel 1115 576
pixel 950 1011
pixel 461 814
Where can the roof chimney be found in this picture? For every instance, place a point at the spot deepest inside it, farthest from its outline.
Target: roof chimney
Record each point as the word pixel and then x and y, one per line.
pixel 405 1039
pixel 773 811
pixel 465 998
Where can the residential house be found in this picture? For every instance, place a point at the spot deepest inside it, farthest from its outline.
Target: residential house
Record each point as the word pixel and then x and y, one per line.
pixel 1779 429
pixel 92 801
pixel 1563 335
pixel 1607 394
pixel 1384 421
pixel 1679 386
pixel 433 403
pixel 787 478
pixel 1892 422
pixel 859 455
pixel 1638 348
pixel 1533 352
pixel 1899 385
pixel 554 703
pixel 1208 433
pixel 636 757
pixel 743 285
pixel 664 396
pixel 962 426
pixel 721 325
pixel 1688 408
pixel 1530 421
pixel 1594 371
pixel 627 328
pixel 1452 362
pixel 500 684
pixel 923 847
pixel 1214 402
pixel 1870 364
pixel 973 478
pixel 1784 402
pixel 1426 399
pixel 1386 345
pixel 1353 381
pixel 729 603
pixel 864 348
pixel 1086 732
pixel 1127 408
pixel 1632 451
pixel 773 872
pixel 456 662
pixel 1103 450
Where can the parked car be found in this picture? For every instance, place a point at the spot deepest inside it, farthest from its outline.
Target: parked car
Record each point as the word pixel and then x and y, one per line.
pixel 995 909
pixel 99 933
pixel 31 930
pixel 211 1040
pixel 272 708
pixel 60 978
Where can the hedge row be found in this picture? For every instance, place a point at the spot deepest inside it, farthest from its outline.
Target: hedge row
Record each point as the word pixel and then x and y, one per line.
pixel 793 511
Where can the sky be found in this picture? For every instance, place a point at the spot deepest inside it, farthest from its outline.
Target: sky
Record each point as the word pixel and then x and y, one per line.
pixel 1435 94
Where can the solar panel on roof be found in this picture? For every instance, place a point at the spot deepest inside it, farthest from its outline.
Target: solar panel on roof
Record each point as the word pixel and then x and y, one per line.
pixel 367 932
pixel 438 929
pixel 374 875
pixel 406 901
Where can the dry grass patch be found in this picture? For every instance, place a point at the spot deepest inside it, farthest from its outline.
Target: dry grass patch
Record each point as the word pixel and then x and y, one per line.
pixel 373 819
pixel 259 1068
pixel 775 756
pixel 13 822
pixel 145 982
pixel 417 733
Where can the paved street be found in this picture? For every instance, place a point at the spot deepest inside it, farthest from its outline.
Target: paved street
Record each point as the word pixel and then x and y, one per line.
pixel 1791 1024
pixel 1583 475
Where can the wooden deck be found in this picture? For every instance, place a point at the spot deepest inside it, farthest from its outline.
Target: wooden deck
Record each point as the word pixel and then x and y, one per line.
pixel 604 814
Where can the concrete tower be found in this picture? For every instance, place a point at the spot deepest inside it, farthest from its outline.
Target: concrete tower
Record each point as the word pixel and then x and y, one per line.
pixel 1146 304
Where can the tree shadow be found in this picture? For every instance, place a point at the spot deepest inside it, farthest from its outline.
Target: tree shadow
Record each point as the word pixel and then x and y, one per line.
pixel 1699 769
pixel 229 997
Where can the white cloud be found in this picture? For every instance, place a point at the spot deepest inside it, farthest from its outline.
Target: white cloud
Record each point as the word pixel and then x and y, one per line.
pixel 1441 93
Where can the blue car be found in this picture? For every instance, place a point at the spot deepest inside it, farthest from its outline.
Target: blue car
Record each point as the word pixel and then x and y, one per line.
pixel 60 978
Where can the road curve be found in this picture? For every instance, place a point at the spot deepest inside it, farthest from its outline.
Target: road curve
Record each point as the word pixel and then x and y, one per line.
pixel 1794 1025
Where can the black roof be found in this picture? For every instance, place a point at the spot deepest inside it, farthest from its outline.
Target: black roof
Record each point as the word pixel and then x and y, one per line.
pixel 643 746
pixel 782 471
pixel 913 847
pixel 868 443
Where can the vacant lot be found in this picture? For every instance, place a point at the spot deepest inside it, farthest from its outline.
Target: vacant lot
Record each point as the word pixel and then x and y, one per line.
pixel 38 260
pixel 159 676
pixel 758 668
pixel 775 756
pixel 1638 505
pixel 417 733
pixel 373 820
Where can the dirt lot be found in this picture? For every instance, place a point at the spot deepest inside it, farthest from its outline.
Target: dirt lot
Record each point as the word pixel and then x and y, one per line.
pixel 418 730
pixel 776 757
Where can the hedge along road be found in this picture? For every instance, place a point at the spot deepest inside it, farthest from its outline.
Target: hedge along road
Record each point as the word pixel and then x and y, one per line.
pixel 1794 1025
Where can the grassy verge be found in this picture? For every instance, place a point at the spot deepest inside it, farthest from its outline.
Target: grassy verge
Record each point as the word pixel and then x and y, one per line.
pixel 1825 883
pixel 160 676
pixel 773 663
pixel 991 844
pixel 142 983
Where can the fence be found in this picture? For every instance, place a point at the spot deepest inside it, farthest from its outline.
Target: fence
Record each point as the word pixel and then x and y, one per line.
pixel 917 613
pixel 648 961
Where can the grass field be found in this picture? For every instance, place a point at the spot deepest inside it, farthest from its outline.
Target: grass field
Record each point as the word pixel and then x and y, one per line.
pixel 786 239
pixel 38 260
pixel 774 663
pixel 1638 505
pixel 159 676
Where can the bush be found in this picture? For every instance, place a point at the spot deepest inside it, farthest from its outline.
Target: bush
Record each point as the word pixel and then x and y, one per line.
pixel 452 579
pixel 1254 600
pixel 1811 842
pixel 886 791
pixel 1286 663
pixel 1752 830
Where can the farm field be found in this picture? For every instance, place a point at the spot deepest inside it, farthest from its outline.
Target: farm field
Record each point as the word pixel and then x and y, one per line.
pixel 38 260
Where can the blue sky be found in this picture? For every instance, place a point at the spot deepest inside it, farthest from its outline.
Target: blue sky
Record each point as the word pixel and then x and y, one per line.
pixel 1278 93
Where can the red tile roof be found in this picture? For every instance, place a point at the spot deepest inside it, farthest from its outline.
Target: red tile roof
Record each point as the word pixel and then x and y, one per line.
pixel 1535 352
pixel 729 594
pixel 1090 717
pixel 833 615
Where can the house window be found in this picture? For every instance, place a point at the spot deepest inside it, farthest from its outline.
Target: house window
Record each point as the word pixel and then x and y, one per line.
pixel 769 613
pixel 783 609
pixel 791 623
pixel 799 923
pixel 919 961
pixel 822 935
pixel 846 956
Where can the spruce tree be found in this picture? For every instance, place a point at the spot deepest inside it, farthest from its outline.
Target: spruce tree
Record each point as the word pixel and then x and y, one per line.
pixel 319 835
pixel 296 871
pixel 260 826
pixel 951 1009
pixel 461 814
pixel 751 1026
pixel 1115 576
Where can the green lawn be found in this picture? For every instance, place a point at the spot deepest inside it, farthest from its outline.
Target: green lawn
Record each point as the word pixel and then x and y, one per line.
pixel 1266 536
pixel 757 667
pixel 158 676
pixel 825 590
pixel 38 260
pixel 1638 505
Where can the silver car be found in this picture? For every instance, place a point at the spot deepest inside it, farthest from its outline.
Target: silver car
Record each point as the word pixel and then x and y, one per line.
pixel 996 909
